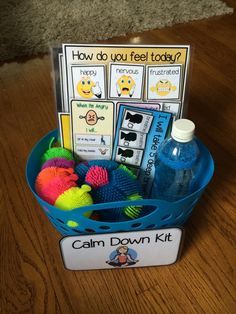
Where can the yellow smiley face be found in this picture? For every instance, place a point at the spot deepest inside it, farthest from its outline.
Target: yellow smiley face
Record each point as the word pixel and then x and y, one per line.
pixel 125 83
pixel 84 87
pixel 163 87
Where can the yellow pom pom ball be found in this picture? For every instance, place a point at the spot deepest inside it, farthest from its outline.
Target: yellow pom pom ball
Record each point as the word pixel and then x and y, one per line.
pixel 72 224
pixel 75 197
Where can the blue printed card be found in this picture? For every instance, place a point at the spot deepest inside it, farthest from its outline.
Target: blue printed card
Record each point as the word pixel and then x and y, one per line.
pixel 139 132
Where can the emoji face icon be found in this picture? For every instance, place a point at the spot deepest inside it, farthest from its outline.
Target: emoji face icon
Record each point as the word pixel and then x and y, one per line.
pixel 85 87
pixel 163 87
pixel 91 117
pixel 125 86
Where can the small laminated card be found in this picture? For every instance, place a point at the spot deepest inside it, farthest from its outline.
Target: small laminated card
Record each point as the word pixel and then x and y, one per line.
pixel 126 81
pixel 144 105
pixel 132 139
pixel 64 126
pixel 172 107
pixel 163 82
pixel 137 121
pixel 92 129
pixel 88 81
pixel 139 132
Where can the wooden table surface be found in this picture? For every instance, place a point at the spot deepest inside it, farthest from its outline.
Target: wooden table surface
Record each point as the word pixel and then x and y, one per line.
pixel 33 279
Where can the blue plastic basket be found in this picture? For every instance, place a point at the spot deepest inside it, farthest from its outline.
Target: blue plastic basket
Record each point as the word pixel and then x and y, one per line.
pixel 163 214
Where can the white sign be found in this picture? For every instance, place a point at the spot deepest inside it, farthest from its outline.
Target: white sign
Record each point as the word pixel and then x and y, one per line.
pixel 122 250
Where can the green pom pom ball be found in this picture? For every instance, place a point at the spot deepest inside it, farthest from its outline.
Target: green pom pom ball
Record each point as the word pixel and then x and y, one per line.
pixel 56 152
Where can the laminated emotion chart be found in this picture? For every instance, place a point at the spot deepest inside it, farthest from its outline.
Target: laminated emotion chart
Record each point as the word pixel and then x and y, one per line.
pixel 139 76
pixel 126 70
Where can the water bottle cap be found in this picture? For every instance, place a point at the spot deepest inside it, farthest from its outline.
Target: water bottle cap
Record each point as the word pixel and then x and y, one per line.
pixel 183 130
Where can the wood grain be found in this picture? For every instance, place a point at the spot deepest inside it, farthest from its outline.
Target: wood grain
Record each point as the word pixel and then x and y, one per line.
pixel 33 279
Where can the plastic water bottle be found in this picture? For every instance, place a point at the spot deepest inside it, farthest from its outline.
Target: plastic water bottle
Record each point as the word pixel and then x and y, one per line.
pixel 176 163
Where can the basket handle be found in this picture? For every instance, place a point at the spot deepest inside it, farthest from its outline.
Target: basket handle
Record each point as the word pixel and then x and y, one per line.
pixel 79 212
